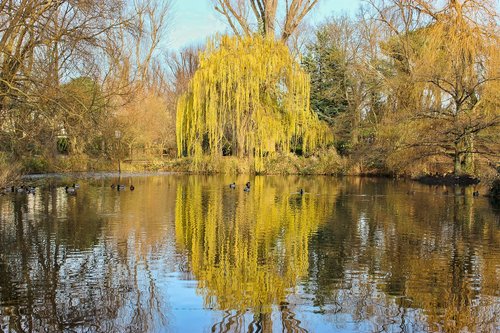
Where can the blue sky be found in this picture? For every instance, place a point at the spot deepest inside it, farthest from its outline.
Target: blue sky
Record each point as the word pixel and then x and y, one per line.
pixel 195 20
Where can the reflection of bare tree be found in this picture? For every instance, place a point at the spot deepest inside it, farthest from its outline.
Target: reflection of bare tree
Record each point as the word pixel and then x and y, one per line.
pixel 290 323
pixel 230 322
pixel 59 271
pixel 238 321
pixel 423 262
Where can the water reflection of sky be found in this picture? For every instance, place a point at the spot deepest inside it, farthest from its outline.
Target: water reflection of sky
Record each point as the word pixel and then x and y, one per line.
pixel 186 253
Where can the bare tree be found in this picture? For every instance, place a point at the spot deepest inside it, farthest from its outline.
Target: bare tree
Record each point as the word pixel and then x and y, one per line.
pixel 182 66
pixel 149 28
pixel 64 65
pixel 247 16
pixel 44 43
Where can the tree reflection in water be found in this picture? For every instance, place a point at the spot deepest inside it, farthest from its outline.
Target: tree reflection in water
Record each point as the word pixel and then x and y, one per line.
pixel 248 250
pixel 418 263
pixel 65 266
pixel 351 254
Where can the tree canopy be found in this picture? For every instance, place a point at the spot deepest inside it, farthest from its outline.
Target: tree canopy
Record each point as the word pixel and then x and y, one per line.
pixel 410 86
pixel 249 98
pixel 445 70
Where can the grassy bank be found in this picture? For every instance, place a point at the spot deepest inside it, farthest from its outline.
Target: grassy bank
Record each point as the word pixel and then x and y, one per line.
pixel 322 162
pixel 325 162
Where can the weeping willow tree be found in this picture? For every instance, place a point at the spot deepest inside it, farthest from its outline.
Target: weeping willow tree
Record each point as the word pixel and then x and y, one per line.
pixel 250 99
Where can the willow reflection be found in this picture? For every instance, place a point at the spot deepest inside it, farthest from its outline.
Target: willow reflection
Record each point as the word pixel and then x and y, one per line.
pixel 248 250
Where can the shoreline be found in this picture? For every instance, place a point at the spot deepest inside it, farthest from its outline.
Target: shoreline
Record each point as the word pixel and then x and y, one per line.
pixel 486 187
pixel 465 180
pixel 447 180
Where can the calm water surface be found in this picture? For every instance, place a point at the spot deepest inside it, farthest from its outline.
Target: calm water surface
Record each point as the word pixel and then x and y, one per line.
pixel 189 254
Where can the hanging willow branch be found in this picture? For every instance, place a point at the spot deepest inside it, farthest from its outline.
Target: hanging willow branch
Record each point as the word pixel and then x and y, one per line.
pixel 248 97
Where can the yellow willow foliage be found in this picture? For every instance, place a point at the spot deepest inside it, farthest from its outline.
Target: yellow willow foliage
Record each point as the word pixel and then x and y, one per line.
pixel 250 95
pixel 247 250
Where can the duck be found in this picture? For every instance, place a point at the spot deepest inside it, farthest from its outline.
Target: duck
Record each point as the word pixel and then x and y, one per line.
pixel 475 193
pixel 232 185
pixel 132 187
pixel 113 186
pixel 8 189
pixel 70 189
pixel 23 189
pixel 247 187
pixel 20 189
pixel 120 187
pixel 76 185
pixel 301 192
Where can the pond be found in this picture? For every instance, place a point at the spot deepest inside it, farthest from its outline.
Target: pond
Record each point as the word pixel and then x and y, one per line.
pixel 186 253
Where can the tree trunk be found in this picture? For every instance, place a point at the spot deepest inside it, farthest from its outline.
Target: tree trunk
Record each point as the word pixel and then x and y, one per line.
pixel 355 127
pixel 469 154
pixel 457 168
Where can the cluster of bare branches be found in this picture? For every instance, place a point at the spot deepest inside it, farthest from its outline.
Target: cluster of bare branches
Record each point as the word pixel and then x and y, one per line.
pixel 248 17
pixel 64 63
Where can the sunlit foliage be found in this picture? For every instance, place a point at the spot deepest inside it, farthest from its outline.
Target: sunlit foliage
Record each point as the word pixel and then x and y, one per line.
pixel 443 73
pixel 249 98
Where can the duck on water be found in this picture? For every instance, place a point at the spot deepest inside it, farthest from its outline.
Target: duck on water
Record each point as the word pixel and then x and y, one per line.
pixel 121 187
